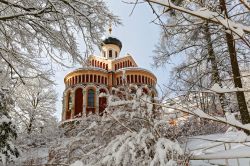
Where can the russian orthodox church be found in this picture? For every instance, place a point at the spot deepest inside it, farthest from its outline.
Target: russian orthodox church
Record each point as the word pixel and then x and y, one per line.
pixel 83 86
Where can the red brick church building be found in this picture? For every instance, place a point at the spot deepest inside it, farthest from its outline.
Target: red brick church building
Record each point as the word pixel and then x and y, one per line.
pixel 83 85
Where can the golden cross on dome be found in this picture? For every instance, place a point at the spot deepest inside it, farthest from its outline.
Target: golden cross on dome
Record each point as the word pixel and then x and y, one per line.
pixel 110 27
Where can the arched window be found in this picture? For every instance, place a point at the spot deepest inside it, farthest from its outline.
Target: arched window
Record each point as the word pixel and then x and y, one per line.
pixel 91 98
pixel 126 64
pixel 101 65
pixel 104 53
pixel 76 80
pixel 116 54
pixel 106 66
pixel 73 78
pixel 78 102
pixel 128 79
pixel 139 79
pixel 91 78
pixel 118 66
pixel 102 80
pixel 99 79
pixel 87 78
pixel 79 79
pixel 121 65
pixel 97 64
pixel 91 101
pixel 102 102
pixel 117 81
pixel 68 106
pixel 83 78
pixel 136 78
pixel 121 80
pixel 93 62
pixel 132 78
pixel 110 53
pixel 143 81
pixel 106 80
pixel 115 67
pixel 95 78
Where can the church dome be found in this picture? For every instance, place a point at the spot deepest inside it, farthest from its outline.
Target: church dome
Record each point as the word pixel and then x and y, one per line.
pixel 112 40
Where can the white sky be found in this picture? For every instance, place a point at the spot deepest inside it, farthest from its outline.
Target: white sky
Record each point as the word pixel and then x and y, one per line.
pixel 138 36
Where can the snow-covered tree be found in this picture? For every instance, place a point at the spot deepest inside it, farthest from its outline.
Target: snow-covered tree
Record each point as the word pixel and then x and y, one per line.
pixel 230 34
pixel 8 150
pixel 35 31
pixel 8 133
pixel 34 35
pixel 35 105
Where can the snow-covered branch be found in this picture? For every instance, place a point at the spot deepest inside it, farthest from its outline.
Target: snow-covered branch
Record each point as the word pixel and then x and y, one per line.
pixel 205 14
pixel 36 32
pixel 229 119
pixel 246 4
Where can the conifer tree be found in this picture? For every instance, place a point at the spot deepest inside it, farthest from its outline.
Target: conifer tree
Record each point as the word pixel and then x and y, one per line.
pixel 7 130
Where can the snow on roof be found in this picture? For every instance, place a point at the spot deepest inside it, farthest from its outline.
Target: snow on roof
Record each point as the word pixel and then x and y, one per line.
pixel 87 68
pixel 90 68
pixel 134 68
pixel 98 56
pixel 124 56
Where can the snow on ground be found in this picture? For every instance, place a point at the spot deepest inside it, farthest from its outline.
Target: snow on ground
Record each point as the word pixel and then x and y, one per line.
pixel 77 163
pixel 231 148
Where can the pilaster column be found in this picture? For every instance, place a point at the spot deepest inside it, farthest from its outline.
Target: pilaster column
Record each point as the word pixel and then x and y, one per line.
pixel 97 101
pixel 64 106
pixel 73 105
pixel 84 104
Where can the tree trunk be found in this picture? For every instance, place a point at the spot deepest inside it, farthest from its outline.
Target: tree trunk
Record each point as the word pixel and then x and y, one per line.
pixel 245 118
pixel 29 129
pixel 212 58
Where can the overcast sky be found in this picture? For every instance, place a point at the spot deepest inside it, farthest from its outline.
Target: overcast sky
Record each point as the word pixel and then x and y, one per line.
pixel 138 36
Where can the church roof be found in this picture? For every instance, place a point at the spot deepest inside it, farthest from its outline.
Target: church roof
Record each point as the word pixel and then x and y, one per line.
pixel 112 40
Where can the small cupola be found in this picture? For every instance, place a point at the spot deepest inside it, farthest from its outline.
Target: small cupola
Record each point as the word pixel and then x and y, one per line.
pixel 111 46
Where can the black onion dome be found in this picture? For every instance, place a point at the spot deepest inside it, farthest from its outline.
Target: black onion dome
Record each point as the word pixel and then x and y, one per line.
pixel 112 40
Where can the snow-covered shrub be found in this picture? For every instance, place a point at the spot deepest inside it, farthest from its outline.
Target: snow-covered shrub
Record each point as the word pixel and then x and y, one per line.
pixel 142 148
pixel 126 134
